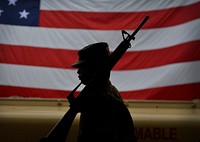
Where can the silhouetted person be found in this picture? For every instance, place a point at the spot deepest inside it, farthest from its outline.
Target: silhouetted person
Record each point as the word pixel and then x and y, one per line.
pixel 104 117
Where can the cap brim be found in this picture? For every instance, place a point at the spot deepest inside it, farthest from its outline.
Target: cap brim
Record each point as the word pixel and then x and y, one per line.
pixel 78 63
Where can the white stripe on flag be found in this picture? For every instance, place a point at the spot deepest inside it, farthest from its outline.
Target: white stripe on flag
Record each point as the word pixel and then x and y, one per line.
pixel 60 79
pixel 67 39
pixel 169 75
pixel 112 6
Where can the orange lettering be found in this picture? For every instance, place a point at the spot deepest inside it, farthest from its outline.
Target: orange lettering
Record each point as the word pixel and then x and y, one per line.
pixel 156 133
pixel 147 134
pixel 173 133
pixel 139 132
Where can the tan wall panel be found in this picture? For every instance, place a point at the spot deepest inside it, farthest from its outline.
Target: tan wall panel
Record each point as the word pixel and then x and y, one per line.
pixel 28 121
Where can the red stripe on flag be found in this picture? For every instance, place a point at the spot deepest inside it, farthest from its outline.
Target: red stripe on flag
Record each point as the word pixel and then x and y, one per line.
pixel 180 92
pixel 186 92
pixel 35 56
pixel 61 58
pixel 185 52
pixel 7 91
pixel 118 20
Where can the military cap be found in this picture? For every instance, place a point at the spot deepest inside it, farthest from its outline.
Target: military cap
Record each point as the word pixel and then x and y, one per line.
pixel 93 53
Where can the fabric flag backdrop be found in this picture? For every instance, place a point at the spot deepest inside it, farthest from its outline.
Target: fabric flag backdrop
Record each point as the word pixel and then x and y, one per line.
pixel 39 41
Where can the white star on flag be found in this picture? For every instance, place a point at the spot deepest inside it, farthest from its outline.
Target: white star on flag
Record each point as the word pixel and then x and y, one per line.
pixel 24 14
pixel 12 2
pixel 1 11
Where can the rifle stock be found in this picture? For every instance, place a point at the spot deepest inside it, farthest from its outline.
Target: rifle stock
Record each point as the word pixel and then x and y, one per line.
pixel 60 131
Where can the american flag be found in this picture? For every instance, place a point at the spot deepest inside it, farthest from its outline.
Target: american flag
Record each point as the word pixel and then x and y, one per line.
pixel 39 41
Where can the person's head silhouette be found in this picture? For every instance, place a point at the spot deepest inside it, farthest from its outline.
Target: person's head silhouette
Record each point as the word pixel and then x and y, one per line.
pixel 90 59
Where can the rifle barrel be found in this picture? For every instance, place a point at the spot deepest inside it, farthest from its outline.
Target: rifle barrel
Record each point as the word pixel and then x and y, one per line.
pixel 138 28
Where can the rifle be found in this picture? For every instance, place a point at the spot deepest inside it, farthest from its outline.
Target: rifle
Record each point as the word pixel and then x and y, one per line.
pixel 60 131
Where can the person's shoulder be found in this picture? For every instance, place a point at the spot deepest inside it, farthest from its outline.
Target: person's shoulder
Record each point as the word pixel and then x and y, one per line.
pixel 113 91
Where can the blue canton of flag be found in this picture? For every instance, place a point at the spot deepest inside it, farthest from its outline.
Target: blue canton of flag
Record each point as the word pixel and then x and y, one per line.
pixel 19 12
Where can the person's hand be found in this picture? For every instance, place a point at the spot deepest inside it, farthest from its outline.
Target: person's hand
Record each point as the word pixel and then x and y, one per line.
pixel 75 104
